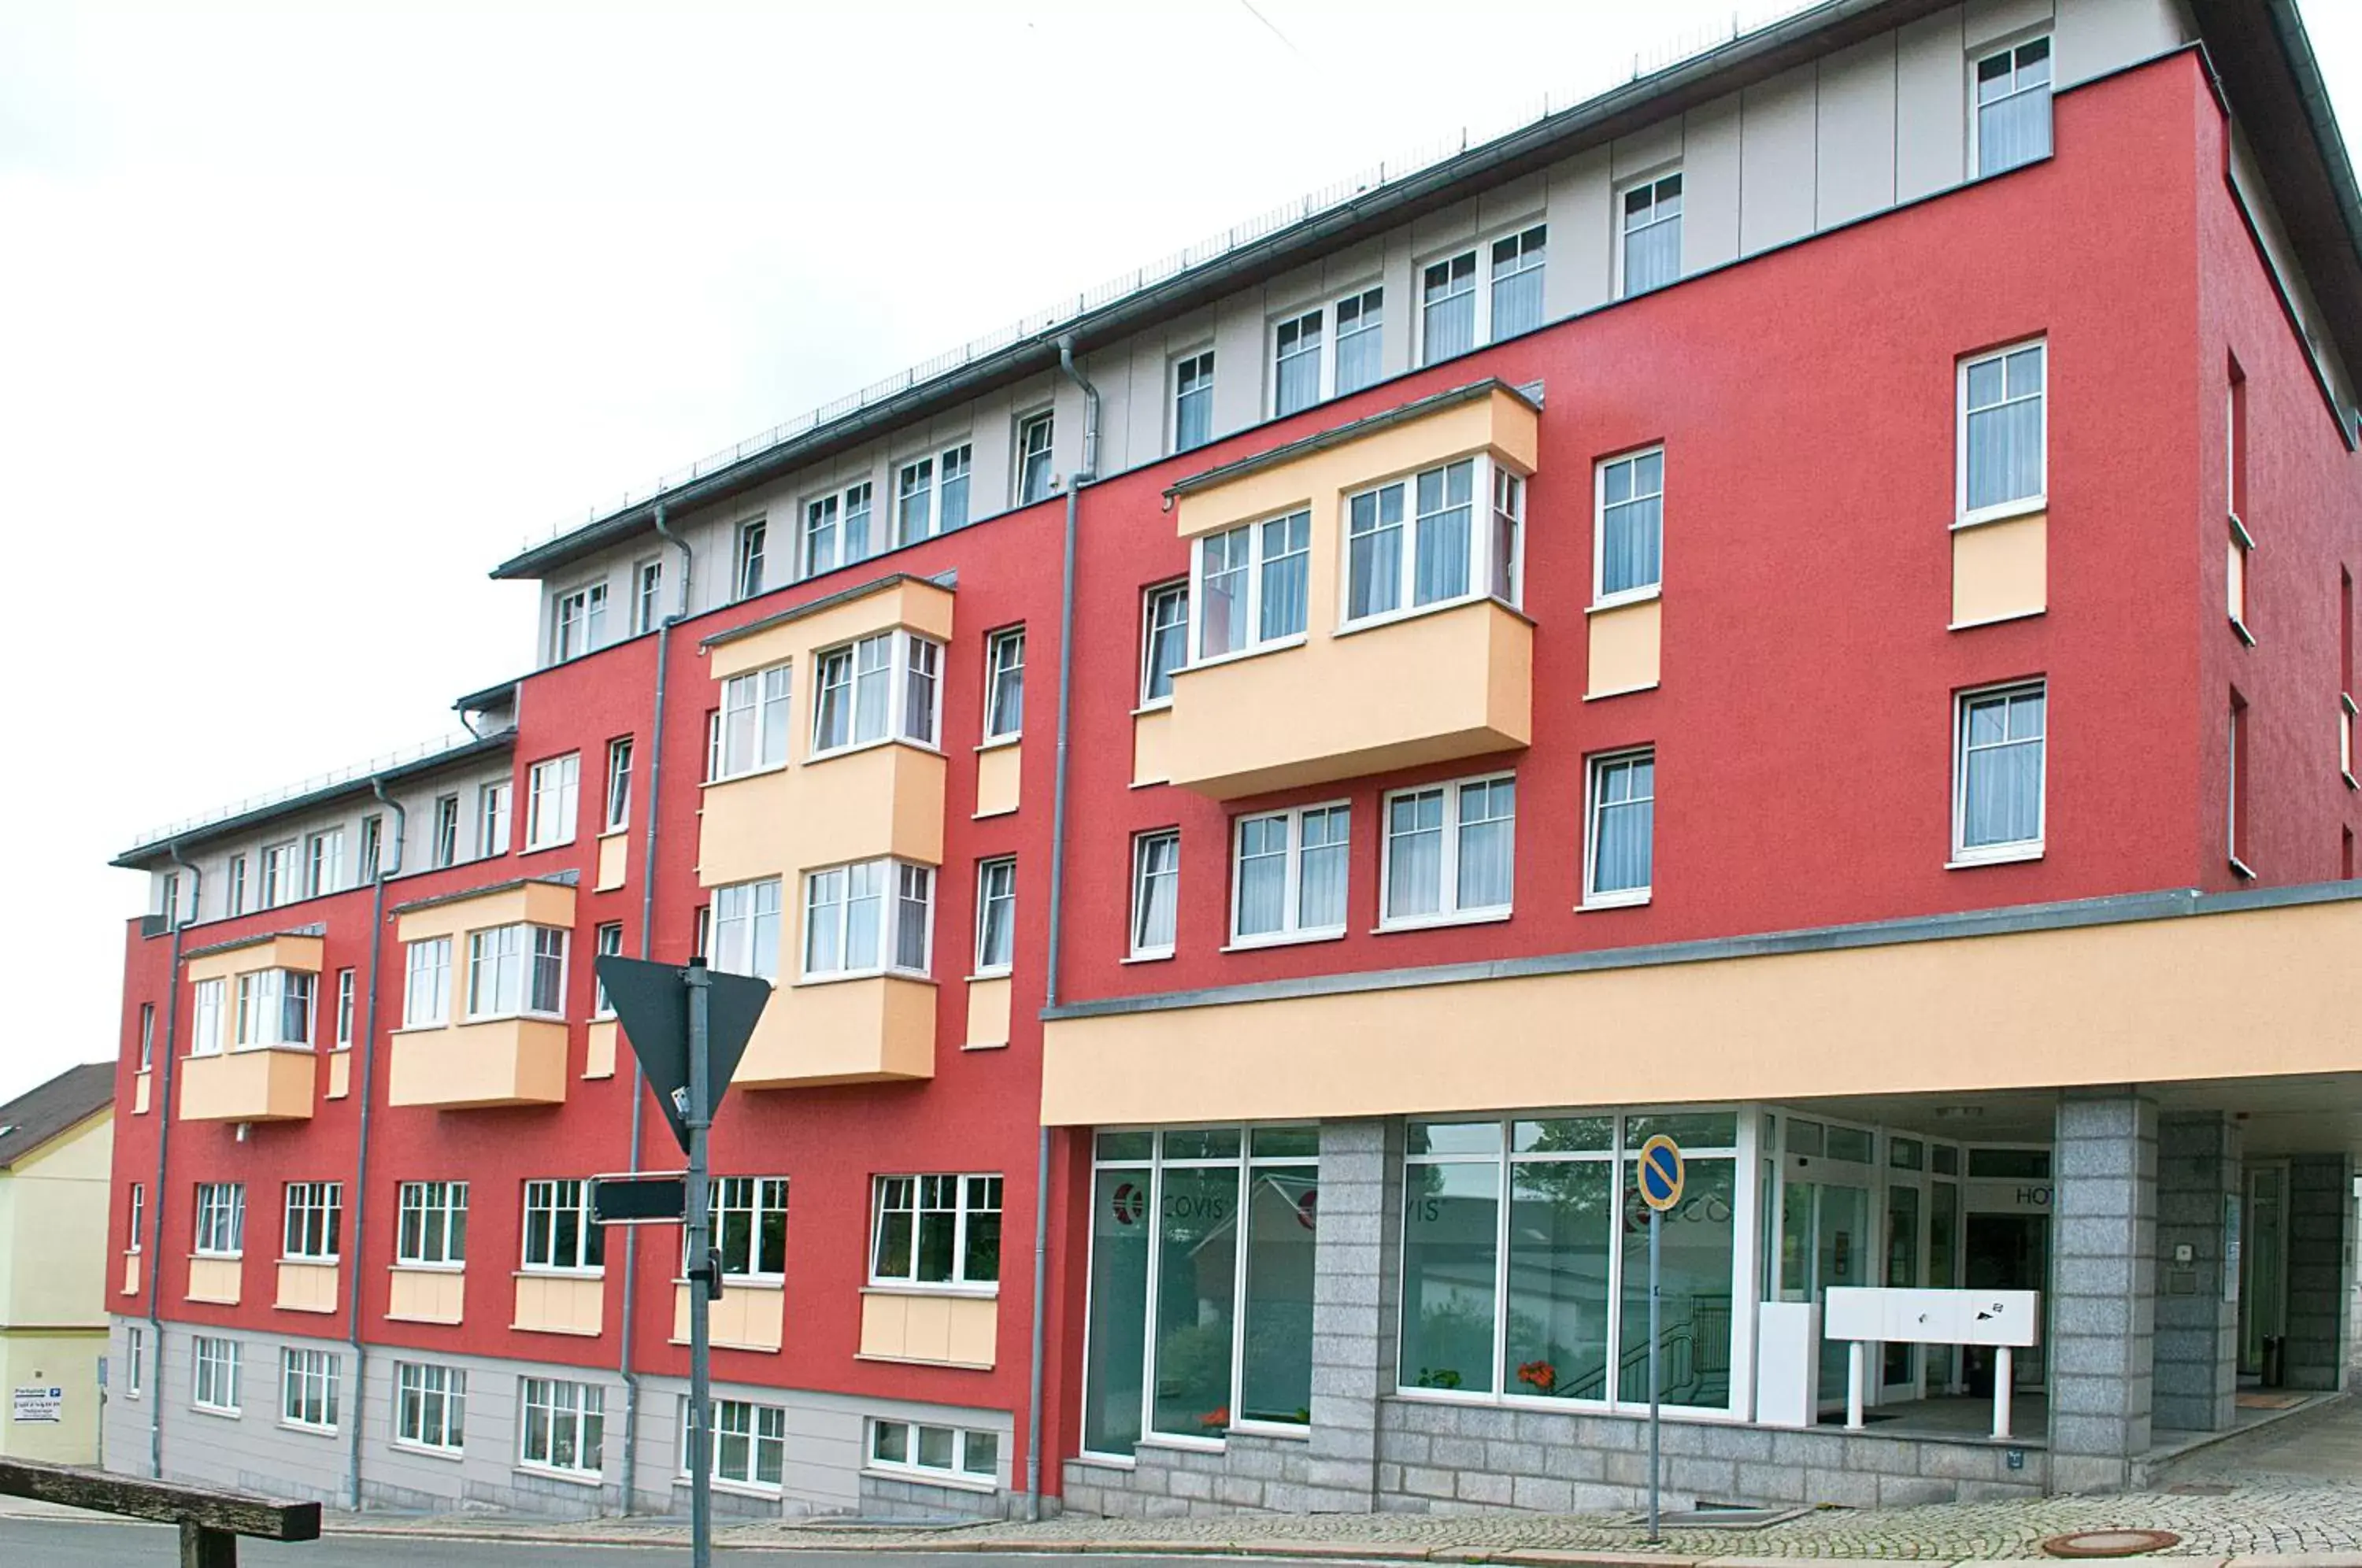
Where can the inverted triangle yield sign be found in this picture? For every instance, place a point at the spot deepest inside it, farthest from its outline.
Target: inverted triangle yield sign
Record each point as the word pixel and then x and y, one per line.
pixel 651 1001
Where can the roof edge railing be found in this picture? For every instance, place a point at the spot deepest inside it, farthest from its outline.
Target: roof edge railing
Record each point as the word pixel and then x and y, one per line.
pixel 424 751
pixel 1313 203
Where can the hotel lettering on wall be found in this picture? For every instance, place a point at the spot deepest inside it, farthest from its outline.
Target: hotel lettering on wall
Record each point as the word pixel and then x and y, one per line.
pixel 2009 1197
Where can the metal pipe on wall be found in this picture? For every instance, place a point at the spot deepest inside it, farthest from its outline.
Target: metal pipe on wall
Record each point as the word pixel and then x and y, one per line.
pixel 163 1107
pixel 386 870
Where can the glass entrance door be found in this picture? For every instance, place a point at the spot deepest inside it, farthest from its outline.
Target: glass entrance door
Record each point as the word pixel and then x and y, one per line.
pixel 2263 1265
pixel 1905 1236
pixel 1824 1241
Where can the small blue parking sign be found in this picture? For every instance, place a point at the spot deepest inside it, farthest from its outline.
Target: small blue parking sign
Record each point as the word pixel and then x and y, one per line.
pixel 1661 1176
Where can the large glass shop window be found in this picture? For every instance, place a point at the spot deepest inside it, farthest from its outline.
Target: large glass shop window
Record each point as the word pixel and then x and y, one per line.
pixel 1201 1283
pixel 1522 1239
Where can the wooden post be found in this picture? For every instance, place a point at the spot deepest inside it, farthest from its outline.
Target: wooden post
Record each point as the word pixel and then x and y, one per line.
pixel 203 1548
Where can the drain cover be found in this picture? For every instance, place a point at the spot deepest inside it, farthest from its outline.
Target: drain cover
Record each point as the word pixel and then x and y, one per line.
pixel 2110 1542
pixel 1710 1517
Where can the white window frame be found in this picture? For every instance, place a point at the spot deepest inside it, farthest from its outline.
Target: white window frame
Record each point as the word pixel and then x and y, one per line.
pixel 220 1219
pixel 214 1370
pixel 233 894
pixel 347 994
pixel 426 979
pixel 1141 843
pixel 1482 329
pixel 1291 927
pixel 415 1383
pixel 553 801
pixel 750 557
pixel 135 1359
pixel 970 1191
pixel 1448 912
pixel 1150 599
pixel 324 863
pixel 579 624
pixel 2017 849
pixel 988 872
pixel 1200 363
pixel 209 1016
pixel 1593 809
pixel 2040 500
pixel 583 1409
pixel 1045 419
pixel 1600 598
pixel 928 520
pixel 1624 234
pixel 648 595
pixel 1483 545
pixel 737 917
pixel 445 850
pixel 606 941
pixel 887 1432
pixel 424 1243
pixel 491 944
pixel 372 849
pixel 139 1218
pixel 1332 340
pixel 838 505
pixel 754 1198
pixel 281 874
pixel 1977 169
pixel 617 808
pixel 309 1384
pixel 907 651
pixel 768 696
pixel 493 819
pixel 761 1427
pixel 261 1005
pixel 889 908
pixel 999 726
pixel 1259 563
pixel 312 1222
pixel 550 1195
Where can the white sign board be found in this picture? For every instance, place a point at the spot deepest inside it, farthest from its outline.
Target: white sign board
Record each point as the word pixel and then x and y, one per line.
pixel 1934 1316
pixel 37 1405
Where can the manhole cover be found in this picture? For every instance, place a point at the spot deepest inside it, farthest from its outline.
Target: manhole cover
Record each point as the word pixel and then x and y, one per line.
pixel 2110 1542
pixel 1711 1515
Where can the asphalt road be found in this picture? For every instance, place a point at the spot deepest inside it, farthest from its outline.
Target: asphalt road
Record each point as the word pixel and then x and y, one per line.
pixel 74 1544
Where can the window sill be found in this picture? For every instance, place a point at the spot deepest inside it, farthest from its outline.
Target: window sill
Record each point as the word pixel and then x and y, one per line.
pixel 600 1272
pixel 217 1412
pixel 735 1488
pixel 1108 1461
pixel 1001 973
pixel 1998 620
pixel 1631 596
pixel 1002 743
pixel 2025 507
pixel 1632 899
pixel 1162 705
pixel 509 1018
pixel 1619 691
pixel 246 1050
pixel 400 1267
pixel 925 1478
pixel 571 1477
pixel 2241 869
pixel 1419 612
pixel 1286 1431
pixel 856 749
pixel 742 775
pixel 1164 957
pixel 427 1451
pixel 565 842
pixel 2350 781
pixel 614 830
pixel 2014 856
pixel 1188 1444
pixel 307 1429
pixel 1282 939
pixel 2239 629
pixel 968 1292
pixel 217 1257
pixel 313 1263
pixel 852 975
pixel 2239 532
pixel 1431 923
pixel 1278 644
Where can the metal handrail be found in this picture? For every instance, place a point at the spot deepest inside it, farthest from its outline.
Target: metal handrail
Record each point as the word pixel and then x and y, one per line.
pixel 1681 49
pixel 420 752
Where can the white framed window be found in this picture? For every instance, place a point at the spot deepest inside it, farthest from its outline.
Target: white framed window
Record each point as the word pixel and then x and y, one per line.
pixel 138 1226
pixel 747 575
pixel 2000 737
pixel 559 1235
pixel 1450 852
pixel 745 929
pixel 647 596
pixel 221 1220
pixel 1307 368
pixel 307 1388
pixel 581 622
pixel 167 897
pixel 1004 684
pixel 346 993
pixel 837 529
pixel 1249 585
pixel 1035 435
pixel 747 1443
pixel 886 687
pixel 1155 892
pixel 427 983
pixel 2004 432
pixel 373 856
pixel 492 820
pixel 431 1224
pixel 315 1221
pixel 135 1360
pixel 515 969
pixel 937 1454
pixel 750 1226
pixel 324 863
pixel 868 918
pixel 205 1023
pixel 619 784
pixel 606 939
pixel 1288 874
pixel 1298 360
pixel 1165 640
pixel 937 1230
pixel 751 731
pixel 446 831
pixel 2235 757
pixel 563 1426
pixel 148 1036
pixel 430 1406
pixel 553 792
pixel 1619 828
pixel 1628 538
pixel 1359 358
pixel 1648 254
pixel 280 874
pixel 2013 113
pixel 931 495
pixel 234 897
pixel 1482 294
pixel 1192 401
pixel 215 1382
pixel 1424 540
pixel 274 1008
pixel 996 915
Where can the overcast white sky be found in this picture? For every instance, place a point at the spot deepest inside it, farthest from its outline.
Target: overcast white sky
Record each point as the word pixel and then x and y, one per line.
pixel 311 313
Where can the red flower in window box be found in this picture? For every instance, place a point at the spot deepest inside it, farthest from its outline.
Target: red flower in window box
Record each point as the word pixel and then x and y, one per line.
pixel 1538 1376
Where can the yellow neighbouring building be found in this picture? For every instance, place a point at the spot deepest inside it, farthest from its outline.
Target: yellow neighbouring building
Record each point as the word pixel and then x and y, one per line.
pixel 57 1144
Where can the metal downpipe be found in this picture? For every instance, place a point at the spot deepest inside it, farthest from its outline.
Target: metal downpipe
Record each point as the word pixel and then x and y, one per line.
pixel 386 870
pixel 163 1107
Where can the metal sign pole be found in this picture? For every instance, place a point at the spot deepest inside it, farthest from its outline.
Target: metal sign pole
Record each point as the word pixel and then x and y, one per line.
pixel 1656 1235
pixel 699 1117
